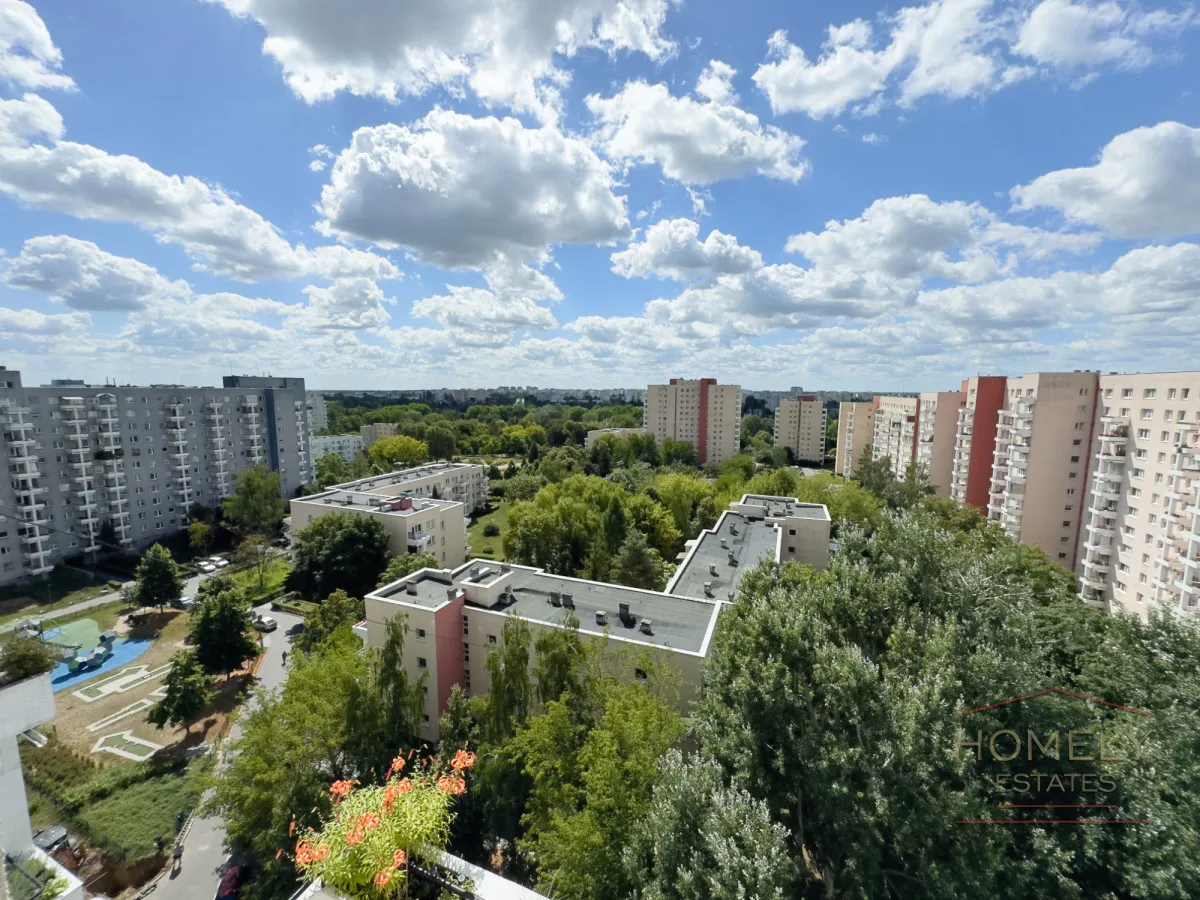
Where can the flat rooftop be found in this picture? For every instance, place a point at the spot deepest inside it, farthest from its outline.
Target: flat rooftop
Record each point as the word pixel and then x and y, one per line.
pixel 749 539
pixel 786 507
pixel 391 479
pixel 377 503
pixel 678 623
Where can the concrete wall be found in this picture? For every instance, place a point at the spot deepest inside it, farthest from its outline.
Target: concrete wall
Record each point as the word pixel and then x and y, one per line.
pixel 23 705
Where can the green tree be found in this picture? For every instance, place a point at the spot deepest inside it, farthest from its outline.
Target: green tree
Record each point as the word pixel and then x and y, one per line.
pixel 509 703
pixel 678 453
pixel 598 564
pixel 157 578
pixel 255 553
pixel 401 566
pixel 441 441
pixel 22 658
pixel 186 693
pixel 256 506
pixel 637 564
pixel 560 664
pixel 339 551
pixel 220 628
pixel 331 469
pixel 401 449
pixel 875 475
pixel 701 839
pixel 523 487
pixel 337 610
pixel 614 525
pixel 909 491
pixel 200 537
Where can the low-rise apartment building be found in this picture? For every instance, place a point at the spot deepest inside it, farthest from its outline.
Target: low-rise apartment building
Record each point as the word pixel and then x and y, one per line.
pixel 1039 469
pixel 466 483
pixel 376 432
pixel 937 423
pixel 856 434
pixel 895 433
pixel 975 440
pixel 86 461
pixel 347 446
pixel 800 427
pixel 618 433
pixel 456 615
pixel 703 413
pixel 1142 546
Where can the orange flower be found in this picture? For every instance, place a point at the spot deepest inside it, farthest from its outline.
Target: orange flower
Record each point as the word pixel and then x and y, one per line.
pixel 404 786
pixel 340 789
pixel 369 821
pixel 304 852
pixel 451 784
pixel 382 877
pixel 279 853
pixel 399 859
pixel 355 835
pixel 463 760
pixel 321 852
pixel 292 828
pixel 389 797
pixel 397 765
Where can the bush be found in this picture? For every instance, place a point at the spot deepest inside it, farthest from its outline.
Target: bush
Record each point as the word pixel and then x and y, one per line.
pixel 23 658
pixel 491 529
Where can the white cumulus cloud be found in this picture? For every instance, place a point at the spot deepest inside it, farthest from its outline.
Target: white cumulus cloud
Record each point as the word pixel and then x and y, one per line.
pixel 28 57
pixel 672 248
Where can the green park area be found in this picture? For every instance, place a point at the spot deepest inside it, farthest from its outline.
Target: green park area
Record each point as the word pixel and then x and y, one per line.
pixel 263 584
pixel 62 587
pixel 489 545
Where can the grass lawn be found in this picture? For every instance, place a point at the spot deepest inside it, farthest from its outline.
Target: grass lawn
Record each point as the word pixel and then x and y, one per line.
pixel 497 514
pixel 41 596
pixel 276 572
pixel 134 816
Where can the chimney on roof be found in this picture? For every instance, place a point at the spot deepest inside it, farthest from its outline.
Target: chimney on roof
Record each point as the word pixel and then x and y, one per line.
pixel 708 589
pixel 568 601
pixel 411 589
pixel 645 627
pixel 451 593
pixel 555 598
pixel 601 617
pixel 712 568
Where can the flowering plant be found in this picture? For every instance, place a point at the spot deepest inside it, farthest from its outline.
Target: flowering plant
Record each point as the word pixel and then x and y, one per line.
pixel 364 848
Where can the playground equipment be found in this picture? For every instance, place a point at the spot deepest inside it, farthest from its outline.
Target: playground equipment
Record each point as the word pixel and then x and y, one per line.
pixel 92 659
pixel 48 631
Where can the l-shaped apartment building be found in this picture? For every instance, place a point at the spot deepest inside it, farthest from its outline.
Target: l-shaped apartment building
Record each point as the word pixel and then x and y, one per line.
pixel 456 615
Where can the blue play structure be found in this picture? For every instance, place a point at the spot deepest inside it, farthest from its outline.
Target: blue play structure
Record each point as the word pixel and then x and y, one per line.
pixel 106 657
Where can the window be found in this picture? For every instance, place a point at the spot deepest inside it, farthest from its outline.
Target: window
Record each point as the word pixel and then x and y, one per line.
pixel 1141 454
pixel 1149 393
pixel 1167 415
pixel 1064 540
pixel 1170 393
pixel 425 717
pixel 792 532
pixel 1070 491
pixel 1108 392
pixel 1184 394
pixel 1147 413
pixel 1127 392
pixel 1062 556
pixel 420 632
pixel 1067 508
pixel 1135 492
pixel 421 663
pixel 1066 524
pixel 465 629
pixel 491 639
pixel 1072 474
pixel 1076 442
pixel 1120 587
pixel 1138 473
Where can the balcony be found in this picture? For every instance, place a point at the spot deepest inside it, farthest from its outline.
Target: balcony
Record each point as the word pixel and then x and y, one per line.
pixel 418 541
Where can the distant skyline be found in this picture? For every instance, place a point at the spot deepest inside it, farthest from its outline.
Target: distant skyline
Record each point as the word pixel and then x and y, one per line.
pixel 850 196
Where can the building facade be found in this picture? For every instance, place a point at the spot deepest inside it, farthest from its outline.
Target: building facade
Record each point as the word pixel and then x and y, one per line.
pixel 1142 546
pixel 895 433
pixel 456 615
pixel 379 430
pixel 1038 490
pixel 466 483
pixel 856 434
pixel 703 413
pixel 937 423
pixel 117 464
pixel 318 413
pixel 347 446
pixel 800 427
pixel 975 440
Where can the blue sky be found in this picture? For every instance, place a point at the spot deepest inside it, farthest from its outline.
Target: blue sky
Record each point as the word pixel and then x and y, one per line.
pixel 597 192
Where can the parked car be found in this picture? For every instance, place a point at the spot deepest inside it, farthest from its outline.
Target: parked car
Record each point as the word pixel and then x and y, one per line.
pixel 207 568
pixel 264 623
pixel 219 561
pixel 231 883
pixel 185 603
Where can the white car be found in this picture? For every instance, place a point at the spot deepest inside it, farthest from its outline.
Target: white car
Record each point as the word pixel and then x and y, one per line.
pixel 207 568
pixel 220 563
pixel 264 623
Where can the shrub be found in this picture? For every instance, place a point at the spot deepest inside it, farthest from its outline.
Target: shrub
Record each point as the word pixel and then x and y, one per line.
pixel 23 658
pixel 491 529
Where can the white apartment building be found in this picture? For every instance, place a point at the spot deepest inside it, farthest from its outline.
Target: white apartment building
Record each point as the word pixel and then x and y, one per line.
pixel 895 433
pixel 372 433
pixel 937 422
pixel 318 413
pixel 456 615
pixel 1143 522
pixel 800 427
pixel 618 433
pixel 466 483
pixel 705 414
pixel 856 433
pixel 1039 467
pixel 347 446
pixel 136 458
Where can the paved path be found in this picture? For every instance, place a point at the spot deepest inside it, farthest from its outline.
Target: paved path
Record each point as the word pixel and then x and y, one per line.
pixel 204 845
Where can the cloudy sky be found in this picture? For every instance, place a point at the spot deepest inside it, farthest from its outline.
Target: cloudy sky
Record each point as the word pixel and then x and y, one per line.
pixel 392 193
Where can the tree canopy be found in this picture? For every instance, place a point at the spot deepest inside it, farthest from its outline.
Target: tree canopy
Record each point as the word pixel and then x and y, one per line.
pixel 256 506
pixel 403 450
pixel 339 551
pixel 186 693
pixel 157 578
pixel 220 625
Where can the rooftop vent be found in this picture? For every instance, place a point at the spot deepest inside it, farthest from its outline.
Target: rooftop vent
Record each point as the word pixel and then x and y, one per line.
pixel 708 589
pixel 712 568
pixel 732 528
pixel 555 598
pixel 568 601
pixel 626 616
pixel 601 617
pixel 732 559
pixel 451 593
pixel 723 543
pixel 411 589
pixel 645 627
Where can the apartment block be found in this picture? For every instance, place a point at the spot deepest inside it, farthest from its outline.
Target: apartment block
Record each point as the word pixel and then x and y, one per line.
pixel 618 433
pixel 1038 490
pixel 456 615
pixel 80 458
pixel 1142 546
pixel 975 440
pixel 895 433
pixel 466 483
pixel 705 414
pixel 937 424
pixel 318 413
pixel 800 427
pixel 347 446
pixel 372 433
pixel 856 434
